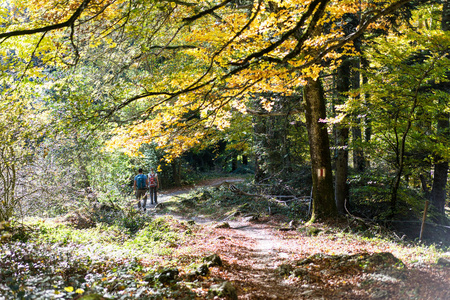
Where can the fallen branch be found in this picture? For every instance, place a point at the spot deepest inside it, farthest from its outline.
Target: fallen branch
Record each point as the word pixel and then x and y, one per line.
pixel 238 191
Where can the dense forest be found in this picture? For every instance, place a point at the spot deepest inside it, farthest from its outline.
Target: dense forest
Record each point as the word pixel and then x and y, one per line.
pixel 317 113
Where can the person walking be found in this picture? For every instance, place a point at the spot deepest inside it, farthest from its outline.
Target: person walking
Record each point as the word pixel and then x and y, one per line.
pixel 153 184
pixel 140 188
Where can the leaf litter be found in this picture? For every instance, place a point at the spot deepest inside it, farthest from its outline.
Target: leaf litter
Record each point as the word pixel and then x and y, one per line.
pixel 258 260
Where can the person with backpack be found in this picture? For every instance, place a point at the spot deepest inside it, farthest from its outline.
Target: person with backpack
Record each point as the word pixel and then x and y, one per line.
pixel 140 188
pixel 153 184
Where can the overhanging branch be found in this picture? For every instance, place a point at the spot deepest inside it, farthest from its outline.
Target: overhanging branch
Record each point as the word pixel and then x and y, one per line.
pixel 261 113
pixel 206 12
pixel 68 23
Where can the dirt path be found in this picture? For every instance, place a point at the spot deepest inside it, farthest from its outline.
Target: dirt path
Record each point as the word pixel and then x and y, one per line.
pixel 255 254
pixel 168 194
pixel 257 273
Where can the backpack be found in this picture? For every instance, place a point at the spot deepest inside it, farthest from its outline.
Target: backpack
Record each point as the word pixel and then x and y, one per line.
pixel 152 180
pixel 140 181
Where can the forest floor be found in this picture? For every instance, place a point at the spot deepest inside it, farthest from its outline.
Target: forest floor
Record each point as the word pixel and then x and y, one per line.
pixel 209 241
pixel 262 259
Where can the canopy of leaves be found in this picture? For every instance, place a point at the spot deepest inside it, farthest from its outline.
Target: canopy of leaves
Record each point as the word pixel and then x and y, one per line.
pixel 164 62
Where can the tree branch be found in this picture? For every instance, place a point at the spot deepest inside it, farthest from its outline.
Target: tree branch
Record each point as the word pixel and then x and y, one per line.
pixel 271 113
pixel 315 10
pixel 285 36
pixel 206 12
pixel 67 23
pixel 364 23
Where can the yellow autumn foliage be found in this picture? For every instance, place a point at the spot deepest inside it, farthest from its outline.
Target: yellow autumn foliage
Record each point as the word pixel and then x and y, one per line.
pixel 193 66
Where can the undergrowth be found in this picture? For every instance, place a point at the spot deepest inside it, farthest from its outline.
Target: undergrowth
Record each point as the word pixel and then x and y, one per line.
pixel 221 203
pixel 122 255
pixel 57 261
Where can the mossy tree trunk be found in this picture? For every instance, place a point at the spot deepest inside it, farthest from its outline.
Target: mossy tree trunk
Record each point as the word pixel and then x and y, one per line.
pixel 323 206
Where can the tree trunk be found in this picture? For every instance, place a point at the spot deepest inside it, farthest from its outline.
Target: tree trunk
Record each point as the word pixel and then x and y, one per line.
pixel 445 25
pixel 234 162
pixel 258 129
pixel 245 160
pixel 341 188
pixel 176 172
pixel 367 121
pixel 358 153
pixel 438 192
pixel 8 183
pixel 323 205
pixel 424 185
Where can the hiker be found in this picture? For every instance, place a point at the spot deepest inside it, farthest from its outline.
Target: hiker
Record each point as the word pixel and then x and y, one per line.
pixel 153 184
pixel 140 188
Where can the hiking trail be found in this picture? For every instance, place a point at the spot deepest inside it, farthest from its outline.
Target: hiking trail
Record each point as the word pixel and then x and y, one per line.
pixel 259 261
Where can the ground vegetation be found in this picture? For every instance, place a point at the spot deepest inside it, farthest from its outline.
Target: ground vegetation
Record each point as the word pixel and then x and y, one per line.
pixel 212 243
